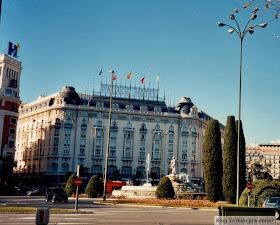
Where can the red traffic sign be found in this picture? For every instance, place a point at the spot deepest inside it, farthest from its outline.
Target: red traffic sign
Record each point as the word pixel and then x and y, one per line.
pixel 249 186
pixel 78 181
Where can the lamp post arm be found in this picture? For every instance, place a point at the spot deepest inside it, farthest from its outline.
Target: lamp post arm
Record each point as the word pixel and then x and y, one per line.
pixel 246 27
pixel 234 29
pixel 237 26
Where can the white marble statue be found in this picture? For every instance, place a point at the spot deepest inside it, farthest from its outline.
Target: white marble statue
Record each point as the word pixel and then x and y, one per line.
pixel 172 166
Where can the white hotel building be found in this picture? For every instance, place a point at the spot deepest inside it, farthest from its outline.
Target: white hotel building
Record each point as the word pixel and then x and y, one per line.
pixel 265 154
pixel 57 132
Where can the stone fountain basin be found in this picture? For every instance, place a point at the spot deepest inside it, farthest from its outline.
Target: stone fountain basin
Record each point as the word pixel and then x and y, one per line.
pixel 136 191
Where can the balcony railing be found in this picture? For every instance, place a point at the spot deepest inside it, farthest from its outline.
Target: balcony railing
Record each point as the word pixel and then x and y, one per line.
pixel 96 157
pixel 81 156
pixel 127 158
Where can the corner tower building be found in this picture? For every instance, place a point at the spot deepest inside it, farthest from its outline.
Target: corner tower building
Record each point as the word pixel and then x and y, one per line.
pixel 10 70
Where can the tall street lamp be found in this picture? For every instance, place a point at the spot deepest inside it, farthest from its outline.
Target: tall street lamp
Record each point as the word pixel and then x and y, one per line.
pixel 241 35
pixel 108 137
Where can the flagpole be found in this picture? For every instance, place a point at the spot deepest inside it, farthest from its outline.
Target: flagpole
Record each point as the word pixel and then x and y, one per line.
pixel 134 89
pixel 100 87
pixel 116 88
pixel 158 87
pixel 144 91
pixel 130 84
pixel 108 137
pixel 106 86
pixel 129 88
pixel 121 89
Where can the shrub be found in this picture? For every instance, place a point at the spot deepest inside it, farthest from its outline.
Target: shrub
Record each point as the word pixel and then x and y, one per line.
pixel 165 188
pixel 94 187
pixel 262 189
pixel 70 187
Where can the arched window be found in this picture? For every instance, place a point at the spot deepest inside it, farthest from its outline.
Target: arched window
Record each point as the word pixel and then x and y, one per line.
pixel 184 170
pixel 126 170
pixel 29 168
pixel 111 169
pixel 54 167
pixel 84 123
pixel 142 170
pixel 114 125
pixel 193 173
pixel 57 121
pixel 96 169
pixel 143 127
pixel 185 130
pixel 65 167
pixel 34 168
pixel 156 171
pixel 171 129
pixel 128 125
pixel 193 131
pixel 68 122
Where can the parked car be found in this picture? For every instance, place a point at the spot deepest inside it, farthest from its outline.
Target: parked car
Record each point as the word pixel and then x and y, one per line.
pixel 56 194
pixel 273 202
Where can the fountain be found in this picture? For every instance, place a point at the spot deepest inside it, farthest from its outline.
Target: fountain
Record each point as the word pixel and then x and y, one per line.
pixel 145 191
pixel 148 161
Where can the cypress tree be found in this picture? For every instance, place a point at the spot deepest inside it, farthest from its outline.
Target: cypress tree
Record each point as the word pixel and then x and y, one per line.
pixel 94 187
pixel 70 187
pixel 242 158
pixel 229 161
pixel 212 161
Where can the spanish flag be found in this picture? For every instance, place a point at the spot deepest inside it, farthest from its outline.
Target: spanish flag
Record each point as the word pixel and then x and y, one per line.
pixel 128 76
pixel 157 80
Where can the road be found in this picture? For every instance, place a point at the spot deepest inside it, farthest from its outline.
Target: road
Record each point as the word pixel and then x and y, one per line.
pixel 106 213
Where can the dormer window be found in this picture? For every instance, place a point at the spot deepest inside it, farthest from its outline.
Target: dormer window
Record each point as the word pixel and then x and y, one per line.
pixel 129 107
pixel 157 109
pixel 143 127
pixel 99 123
pixel 143 108
pixel 100 104
pixel 114 125
pixel 157 127
pixel 84 123
pixel 115 106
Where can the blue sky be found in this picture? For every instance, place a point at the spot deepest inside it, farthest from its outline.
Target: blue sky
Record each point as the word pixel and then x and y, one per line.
pixel 67 42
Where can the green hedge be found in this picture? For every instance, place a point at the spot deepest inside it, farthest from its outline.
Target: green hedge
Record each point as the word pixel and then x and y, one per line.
pixel 262 189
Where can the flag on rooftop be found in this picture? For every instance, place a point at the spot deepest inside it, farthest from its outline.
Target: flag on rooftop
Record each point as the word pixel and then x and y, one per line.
pixel 143 80
pixel 157 80
pixel 128 76
pixel 101 71
pixel 115 77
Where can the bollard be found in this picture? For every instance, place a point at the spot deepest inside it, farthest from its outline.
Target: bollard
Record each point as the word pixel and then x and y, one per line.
pixel 42 216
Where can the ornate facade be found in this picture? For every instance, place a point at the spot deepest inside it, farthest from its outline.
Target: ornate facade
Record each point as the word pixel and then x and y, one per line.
pixel 10 70
pixel 60 131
